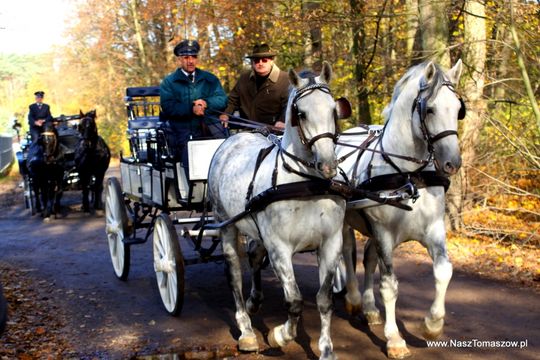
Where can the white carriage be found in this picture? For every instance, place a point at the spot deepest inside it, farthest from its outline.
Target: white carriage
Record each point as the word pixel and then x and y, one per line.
pixel 154 195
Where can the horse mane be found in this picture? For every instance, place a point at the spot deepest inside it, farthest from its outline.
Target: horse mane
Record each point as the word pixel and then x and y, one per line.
pixel 411 74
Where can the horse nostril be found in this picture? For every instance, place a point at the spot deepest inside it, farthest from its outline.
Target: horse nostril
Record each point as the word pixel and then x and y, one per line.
pixel 450 168
pixel 328 171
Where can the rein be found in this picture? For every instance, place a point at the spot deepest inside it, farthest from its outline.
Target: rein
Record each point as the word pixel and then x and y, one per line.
pixel 244 122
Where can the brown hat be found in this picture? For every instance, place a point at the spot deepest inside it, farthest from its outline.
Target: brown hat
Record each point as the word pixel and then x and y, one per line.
pixel 261 51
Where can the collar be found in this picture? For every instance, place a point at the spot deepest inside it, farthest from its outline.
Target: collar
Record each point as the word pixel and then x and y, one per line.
pixel 187 74
pixel 273 76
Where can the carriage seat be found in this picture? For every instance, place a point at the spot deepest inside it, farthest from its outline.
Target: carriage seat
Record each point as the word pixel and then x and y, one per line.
pixel 145 122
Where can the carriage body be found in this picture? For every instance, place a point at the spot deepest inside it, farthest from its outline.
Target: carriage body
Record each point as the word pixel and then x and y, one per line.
pixel 152 174
pixel 68 137
pixel 155 195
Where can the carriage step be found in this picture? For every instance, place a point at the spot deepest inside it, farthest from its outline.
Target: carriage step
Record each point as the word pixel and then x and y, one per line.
pixel 134 241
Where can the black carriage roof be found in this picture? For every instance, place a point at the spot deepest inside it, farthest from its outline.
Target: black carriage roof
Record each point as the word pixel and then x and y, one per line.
pixel 142 91
pixel 67 117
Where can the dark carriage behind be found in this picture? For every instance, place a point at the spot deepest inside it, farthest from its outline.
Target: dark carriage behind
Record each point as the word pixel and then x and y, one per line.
pixel 68 137
pixel 154 195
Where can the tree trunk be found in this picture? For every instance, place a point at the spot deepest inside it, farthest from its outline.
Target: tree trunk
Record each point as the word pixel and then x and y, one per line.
pixel 475 60
pixel 359 51
pixel 433 22
pixel 412 25
pixel 523 68
pixel 144 67
pixel 313 44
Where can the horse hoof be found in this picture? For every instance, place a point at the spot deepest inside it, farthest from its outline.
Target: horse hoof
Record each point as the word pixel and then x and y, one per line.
pixel 100 213
pixel 328 354
pixel 432 330
pixel 252 307
pixel 275 337
pixel 352 309
pixel 47 219
pixel 373 318
pixel 248 343
pixel 398 351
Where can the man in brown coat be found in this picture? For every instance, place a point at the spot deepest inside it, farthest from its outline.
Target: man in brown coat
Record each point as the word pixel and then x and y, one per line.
pixel 261 94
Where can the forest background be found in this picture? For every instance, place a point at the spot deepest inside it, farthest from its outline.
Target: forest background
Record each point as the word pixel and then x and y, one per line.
pixel 114 44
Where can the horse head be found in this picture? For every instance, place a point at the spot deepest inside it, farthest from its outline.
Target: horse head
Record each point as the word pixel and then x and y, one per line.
pixel 428 94
pixel 87 127
pixel 311 117
pixel 49 142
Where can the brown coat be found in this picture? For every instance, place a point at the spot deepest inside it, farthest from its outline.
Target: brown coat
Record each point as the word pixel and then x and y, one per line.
pixel 265 105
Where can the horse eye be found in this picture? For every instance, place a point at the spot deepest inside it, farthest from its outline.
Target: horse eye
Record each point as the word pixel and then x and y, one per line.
pixel 430 111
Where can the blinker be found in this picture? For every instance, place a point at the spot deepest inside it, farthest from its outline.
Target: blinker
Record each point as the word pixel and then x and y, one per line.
pixel 343 108
pixel 462 110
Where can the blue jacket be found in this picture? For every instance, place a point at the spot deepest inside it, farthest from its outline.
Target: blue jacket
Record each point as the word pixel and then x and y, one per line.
pixel 177 94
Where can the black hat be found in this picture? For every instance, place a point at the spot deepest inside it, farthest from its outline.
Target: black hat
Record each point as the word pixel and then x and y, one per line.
pixel 186 48
pixel 261 51
pixel 39 94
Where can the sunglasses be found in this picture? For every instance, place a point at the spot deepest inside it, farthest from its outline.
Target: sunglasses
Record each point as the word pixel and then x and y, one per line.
pixel 263 60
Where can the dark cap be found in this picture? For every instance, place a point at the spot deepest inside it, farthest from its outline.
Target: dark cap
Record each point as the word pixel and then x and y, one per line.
pixel 186 48
pixel 39 94
pixel 261 51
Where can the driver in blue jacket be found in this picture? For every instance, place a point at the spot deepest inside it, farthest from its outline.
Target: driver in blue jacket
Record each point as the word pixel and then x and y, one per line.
pixel 189 94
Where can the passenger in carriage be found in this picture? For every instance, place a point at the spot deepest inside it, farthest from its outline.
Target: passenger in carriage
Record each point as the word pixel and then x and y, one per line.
pixel 187 95
pixel 260 94
pixel 38 114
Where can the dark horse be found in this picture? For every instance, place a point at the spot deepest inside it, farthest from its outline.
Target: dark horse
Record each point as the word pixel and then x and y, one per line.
pixel 45 164
pixel 92 158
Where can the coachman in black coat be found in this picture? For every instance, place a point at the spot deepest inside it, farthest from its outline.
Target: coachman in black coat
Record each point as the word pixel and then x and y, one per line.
pixel 38 111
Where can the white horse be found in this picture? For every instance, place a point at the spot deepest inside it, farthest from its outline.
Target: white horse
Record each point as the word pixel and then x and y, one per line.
pixel 306 151
pixel 419 137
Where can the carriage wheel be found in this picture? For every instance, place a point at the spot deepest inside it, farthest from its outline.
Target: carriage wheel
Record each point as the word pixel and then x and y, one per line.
pixel 168 265
pixel 116 228
pixel 340 279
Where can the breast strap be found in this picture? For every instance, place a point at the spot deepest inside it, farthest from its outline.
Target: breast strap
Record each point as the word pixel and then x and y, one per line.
pixel 421 179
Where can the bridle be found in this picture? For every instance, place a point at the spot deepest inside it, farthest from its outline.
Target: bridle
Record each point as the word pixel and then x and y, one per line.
pixel 297 115
pixel 49 141
pixel 420 104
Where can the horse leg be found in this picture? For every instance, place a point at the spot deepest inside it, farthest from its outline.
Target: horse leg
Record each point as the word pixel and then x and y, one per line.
pixel 281 260
pixel 256 253
pixel 442 272
pixel 57 198
pixel 371 312
pixel 46 199
pixel 85 183
pixel 329 254
pixel 353 299
pixel 37 194
pixel 396 348
pixel 247 340
pixel 98 191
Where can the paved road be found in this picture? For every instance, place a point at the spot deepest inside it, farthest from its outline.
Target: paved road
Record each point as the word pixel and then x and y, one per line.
pixel 109 318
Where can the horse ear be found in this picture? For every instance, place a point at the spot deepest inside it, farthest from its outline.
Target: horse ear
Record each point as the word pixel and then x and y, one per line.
pixel 326 73
pixel 429 72
pixel 294 78
pixel 80 112
pixel 455 73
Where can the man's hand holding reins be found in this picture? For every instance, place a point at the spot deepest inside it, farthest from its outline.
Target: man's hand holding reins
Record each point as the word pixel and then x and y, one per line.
pixel 199 106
